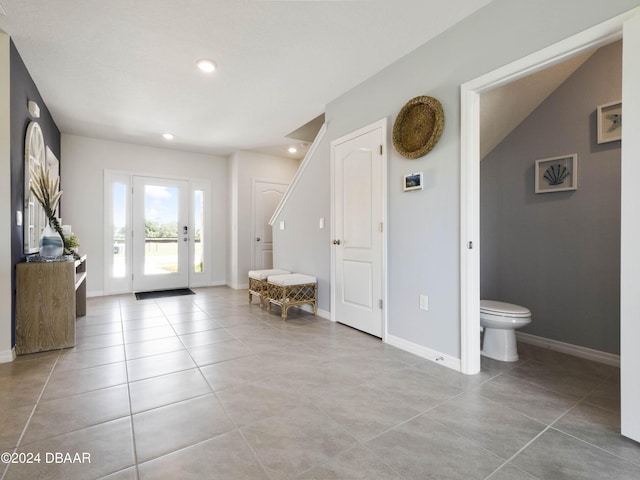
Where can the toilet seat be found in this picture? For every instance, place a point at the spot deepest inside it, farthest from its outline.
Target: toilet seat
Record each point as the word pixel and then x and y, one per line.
pixel 503 309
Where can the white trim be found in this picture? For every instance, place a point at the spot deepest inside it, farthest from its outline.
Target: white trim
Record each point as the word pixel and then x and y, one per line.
pixel 629 231
pixel 99 293
pixel 7 356
pixel 237 286
pixel 299 172
pixel 568 348
pixel 424 352
pixel 321 313
pixel 591 38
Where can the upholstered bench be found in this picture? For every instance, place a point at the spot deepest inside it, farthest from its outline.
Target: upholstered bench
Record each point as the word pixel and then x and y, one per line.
pixel 258 282
pixel 292 290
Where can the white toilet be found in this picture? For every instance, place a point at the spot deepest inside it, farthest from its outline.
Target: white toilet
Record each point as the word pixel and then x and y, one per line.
pixel 500 321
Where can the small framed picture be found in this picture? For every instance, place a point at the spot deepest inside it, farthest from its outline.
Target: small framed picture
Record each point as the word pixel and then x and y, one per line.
pixel 610 122
pixel 413 181
pixel 557 174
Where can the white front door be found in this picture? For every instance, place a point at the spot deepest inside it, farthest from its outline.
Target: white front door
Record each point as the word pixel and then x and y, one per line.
pixel 358 239
pixel 160 234
pixel 266 198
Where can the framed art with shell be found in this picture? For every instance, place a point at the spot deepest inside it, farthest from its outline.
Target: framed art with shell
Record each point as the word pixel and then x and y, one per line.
pixel 557 174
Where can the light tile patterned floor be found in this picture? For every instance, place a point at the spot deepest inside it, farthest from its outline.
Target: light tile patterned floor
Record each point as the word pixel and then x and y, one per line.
pixel 207 386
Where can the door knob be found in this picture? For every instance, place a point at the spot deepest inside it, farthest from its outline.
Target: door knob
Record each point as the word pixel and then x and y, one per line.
pixel 336 242
pixel 257 239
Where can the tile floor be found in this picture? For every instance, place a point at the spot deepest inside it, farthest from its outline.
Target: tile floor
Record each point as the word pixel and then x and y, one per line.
pixel 207 386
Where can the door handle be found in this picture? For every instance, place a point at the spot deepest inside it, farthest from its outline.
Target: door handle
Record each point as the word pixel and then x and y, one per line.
pixel 336 242
pixel 257 239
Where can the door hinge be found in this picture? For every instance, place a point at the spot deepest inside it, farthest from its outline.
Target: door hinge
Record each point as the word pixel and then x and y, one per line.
pixel 470 245
pixel 380 149
pixel 381 304
pixel 381 227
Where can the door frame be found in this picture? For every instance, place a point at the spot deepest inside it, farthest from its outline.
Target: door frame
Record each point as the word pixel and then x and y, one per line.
pixel 113 286
pixel 361 131
pixel 594 37
pixel 254 181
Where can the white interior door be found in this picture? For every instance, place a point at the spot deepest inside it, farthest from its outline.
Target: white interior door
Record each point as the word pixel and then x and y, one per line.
pixel 266 198
pixel 358 240
pixel 160 234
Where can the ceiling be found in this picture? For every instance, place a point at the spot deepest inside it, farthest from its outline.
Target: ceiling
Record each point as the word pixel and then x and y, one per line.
pixel 125 70
pixel 504 108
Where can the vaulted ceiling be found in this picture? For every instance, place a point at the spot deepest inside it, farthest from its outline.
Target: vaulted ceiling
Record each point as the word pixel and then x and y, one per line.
pixel 126 70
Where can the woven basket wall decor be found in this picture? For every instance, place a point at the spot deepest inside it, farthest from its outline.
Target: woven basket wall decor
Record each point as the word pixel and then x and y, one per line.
pixel 418 127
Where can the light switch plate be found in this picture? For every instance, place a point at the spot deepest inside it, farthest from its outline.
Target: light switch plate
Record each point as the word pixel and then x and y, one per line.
pixel 321 223
pixel 424 302
pixel 18 218
pixel 281 224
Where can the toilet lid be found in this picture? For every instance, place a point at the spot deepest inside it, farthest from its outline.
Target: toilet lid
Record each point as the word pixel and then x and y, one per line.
pixel 502 308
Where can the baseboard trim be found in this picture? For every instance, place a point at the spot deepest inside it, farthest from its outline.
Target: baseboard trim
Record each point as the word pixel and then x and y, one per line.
pixel 425 352
pixel 7 356
pixel 97 293
pixel 575 350
pixel 320 313
pixel 238 286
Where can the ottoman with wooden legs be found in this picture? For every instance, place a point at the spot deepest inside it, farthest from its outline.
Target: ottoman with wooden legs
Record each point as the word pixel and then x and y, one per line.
pixel 258 283
pixel 292 290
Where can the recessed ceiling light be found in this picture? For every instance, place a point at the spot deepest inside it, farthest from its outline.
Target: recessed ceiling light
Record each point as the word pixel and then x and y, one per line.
pixel 293 150
pixel 168 136
pixel 206 65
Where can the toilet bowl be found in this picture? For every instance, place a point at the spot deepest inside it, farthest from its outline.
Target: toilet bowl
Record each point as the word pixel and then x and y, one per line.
pixel 500 321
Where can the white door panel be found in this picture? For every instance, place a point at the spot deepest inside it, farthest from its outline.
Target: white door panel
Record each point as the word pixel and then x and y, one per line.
pixel 266 198
pixel 358 214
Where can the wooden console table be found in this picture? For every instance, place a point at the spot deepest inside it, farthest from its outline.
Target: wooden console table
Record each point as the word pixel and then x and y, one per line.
pixel 49 297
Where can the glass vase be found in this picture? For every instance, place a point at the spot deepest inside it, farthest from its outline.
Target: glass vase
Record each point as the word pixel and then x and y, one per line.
pixel 51 244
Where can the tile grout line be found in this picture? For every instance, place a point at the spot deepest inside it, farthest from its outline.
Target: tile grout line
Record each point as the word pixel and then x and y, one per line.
pixel 582 401
pixel 33 411
pixel 126 370
pixel 546 429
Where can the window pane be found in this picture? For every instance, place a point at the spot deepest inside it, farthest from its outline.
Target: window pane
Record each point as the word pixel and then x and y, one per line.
pixel 198 258
pixel 161 229
pixel 119 229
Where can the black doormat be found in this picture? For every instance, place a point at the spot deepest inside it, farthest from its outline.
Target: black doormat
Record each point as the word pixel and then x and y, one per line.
pixel 164 293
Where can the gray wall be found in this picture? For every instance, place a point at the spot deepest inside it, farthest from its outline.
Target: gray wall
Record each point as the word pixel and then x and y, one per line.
pixel 303 246
pixel 424 227
pixel 559 253
pixel 24 89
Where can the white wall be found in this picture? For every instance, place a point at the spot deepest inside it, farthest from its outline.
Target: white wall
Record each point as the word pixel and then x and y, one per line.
pixel 83 161
pixel 424 227
pixel 6 215
pixel 244 168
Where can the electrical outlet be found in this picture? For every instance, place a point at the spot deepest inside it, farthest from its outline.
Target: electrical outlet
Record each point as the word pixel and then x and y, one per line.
pixel 424 302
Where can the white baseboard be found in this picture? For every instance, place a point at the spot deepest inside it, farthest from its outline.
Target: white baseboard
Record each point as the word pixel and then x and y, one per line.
pixel 321 313
pixel 7 356
pixel 424 352
pixel 238 286
pixel 96 293
pixel 575 350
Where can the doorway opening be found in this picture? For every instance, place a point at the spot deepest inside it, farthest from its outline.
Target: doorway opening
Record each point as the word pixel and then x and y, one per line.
pixel 595 37
pixel 157 233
